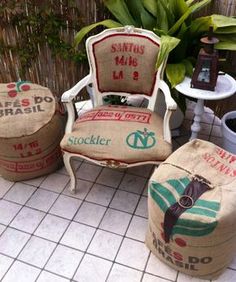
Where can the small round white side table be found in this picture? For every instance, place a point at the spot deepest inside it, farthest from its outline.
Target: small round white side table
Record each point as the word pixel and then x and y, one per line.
pixel 225 87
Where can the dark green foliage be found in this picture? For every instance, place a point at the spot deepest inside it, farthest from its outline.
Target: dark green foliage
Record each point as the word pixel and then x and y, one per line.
pixel 40 24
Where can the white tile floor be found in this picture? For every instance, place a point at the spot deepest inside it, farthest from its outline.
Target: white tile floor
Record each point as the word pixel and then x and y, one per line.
pixel 96 235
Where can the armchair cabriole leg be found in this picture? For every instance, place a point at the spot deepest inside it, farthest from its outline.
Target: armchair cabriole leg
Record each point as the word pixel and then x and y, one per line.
pixel 67 161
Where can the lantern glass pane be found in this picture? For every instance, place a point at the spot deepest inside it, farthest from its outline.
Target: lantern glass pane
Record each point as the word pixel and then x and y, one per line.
pixel 204 74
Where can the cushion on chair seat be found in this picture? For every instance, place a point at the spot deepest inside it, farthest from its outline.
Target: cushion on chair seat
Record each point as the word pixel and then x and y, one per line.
pixel 118 133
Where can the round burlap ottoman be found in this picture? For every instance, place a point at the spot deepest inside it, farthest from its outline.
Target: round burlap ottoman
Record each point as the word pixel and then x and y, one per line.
pixel 192 208
pixel 31 128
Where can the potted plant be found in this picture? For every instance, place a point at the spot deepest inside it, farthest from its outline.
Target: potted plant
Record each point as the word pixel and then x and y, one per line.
pixel 180 32
pixel 228 125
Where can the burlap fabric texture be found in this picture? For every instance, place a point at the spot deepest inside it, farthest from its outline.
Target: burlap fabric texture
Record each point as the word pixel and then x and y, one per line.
pixel 126 135
pixel 192 209
pixel 124 64
pixel 31 128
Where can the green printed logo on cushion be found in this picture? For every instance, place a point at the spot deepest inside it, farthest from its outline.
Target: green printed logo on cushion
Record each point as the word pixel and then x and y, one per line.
pixel 89 140
pixel 141 139
pixel 169 193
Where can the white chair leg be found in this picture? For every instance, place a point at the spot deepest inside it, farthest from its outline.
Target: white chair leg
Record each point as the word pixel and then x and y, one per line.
pixel 67 163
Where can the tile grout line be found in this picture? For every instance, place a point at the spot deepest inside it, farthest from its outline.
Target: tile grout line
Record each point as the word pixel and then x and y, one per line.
pixel 97 227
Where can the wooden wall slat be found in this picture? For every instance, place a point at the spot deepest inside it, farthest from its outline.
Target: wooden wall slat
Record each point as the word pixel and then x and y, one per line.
pixel 54 72
pixel 59 74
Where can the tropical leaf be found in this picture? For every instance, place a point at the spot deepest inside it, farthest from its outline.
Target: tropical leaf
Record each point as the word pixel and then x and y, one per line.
pixel 226 46
pixel 199 26
pixel 135 8
pixel 107 23
pixel 172 6
pixel 220 21
pixel 169 8
pixel 181 8
pixel 227 37
pixel 189 2
pixel 179 53
pixel 199 5
pixel 180 21
pixel 187 12
pixel 223 25
pixel 159 32
pixel 142 16
pixel 175 73
pixel 182 31
pixel 168 43
pixel 188 67
pixel 227 42
pixel 120 11
pixel 148 21
pixel 171 20
pixel 151 6
pixel 225 30
pixel 162 19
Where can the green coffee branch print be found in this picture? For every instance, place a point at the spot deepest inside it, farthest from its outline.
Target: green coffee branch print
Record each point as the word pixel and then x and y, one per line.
pixel 167 194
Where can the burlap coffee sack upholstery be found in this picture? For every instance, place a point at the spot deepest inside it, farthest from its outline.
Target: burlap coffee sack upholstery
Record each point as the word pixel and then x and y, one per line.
pixel 192 207
pixel 131 60
pixel 26 107
pixel 31 128
pixel 123 134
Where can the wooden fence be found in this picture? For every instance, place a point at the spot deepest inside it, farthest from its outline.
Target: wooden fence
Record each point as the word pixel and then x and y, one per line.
pixel 50 70
pixel 54 71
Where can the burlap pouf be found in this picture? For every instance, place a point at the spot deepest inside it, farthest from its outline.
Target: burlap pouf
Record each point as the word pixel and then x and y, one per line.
pixel 31 128
pixel 192 210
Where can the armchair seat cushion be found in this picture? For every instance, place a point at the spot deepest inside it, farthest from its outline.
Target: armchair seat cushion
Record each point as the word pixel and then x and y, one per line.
pixel 120 134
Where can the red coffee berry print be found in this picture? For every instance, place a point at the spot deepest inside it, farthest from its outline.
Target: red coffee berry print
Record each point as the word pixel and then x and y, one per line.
pixel 25 87
pixel 11 85
pixel 180 242
pixel 12 93
pixel 17 87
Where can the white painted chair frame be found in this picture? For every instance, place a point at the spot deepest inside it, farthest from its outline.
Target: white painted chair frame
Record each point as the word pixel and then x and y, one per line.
pixel 97 97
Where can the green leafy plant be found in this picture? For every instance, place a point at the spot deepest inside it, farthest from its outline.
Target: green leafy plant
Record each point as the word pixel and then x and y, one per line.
pixel 39 24
pixel 179 30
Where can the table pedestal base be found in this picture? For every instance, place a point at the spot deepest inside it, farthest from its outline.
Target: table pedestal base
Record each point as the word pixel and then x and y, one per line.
pixel 198 111
pixel 225 87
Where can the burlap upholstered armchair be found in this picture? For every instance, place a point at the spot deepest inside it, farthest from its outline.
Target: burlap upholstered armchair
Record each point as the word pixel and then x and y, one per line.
pixel 122 62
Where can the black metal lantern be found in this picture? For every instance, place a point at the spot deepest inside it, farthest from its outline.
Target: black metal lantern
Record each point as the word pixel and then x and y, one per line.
pixel 206 69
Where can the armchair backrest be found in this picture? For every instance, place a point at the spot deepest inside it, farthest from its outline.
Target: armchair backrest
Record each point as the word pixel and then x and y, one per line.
pixel 122 62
